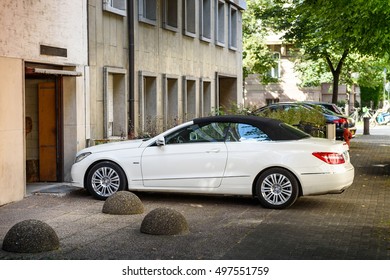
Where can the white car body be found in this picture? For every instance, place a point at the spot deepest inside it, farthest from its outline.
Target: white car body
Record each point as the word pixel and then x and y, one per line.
pixel 219 167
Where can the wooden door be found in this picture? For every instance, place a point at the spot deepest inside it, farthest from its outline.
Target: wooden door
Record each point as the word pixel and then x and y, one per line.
pixel 47 132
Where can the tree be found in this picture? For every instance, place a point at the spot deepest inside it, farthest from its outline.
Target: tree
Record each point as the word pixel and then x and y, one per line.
pixel 257 58
pixel 331 30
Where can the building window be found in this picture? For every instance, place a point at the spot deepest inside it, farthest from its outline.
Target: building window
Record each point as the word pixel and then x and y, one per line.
pixel 189 17
pixel 275 71
pixel 220 23
pixel 206 98
pixel 115 6
pixel 149 121
pixel 147 11
pixel 190 98
pixel 205 20
pixel 170 15
pixel 115 103
pixel 233 27
pixel 172 101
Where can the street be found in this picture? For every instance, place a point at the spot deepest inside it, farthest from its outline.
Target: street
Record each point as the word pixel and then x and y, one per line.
pixel 350 226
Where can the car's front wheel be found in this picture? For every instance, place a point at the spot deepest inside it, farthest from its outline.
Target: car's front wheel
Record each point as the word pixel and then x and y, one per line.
pixel 104 179
pixel 277 188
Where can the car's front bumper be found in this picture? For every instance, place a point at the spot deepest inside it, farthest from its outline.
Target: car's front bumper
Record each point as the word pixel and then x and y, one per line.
pixel 77 174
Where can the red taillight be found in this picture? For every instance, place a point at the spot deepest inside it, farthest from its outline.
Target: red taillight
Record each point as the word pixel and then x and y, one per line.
pixel 340 121
pixel 330 158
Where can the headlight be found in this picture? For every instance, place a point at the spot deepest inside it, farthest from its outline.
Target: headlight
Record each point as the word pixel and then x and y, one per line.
pixel 82 156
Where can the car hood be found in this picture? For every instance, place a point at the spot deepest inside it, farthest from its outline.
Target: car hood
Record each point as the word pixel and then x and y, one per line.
pixel 120 145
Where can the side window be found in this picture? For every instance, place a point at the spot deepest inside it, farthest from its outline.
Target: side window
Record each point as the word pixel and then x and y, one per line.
pixel 205 20
pixel 212 132
pixel 147 11
pixel 233 22
pixel 170 15
pixel 115 6
pixel 189 17
pixel 220 23
pixel 240 132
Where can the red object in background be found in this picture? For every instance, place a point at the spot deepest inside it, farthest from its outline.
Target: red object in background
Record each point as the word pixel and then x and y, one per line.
pixel 347 135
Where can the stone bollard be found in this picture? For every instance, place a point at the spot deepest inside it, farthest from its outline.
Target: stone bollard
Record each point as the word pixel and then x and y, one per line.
pixel 164 221
pixel 31 236
pixel 366 126
pixel 123 203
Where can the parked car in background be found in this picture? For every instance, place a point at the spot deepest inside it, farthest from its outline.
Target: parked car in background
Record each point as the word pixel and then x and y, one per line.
pixel 223 155
pixel 333 108
pixel 330 106
pixel 330 117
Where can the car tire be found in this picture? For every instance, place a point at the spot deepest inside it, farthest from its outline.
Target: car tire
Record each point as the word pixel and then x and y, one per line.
pixel 277 188
pixel 104 179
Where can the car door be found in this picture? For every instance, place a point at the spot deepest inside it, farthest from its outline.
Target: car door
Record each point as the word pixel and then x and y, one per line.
pixel 249 151
pixel 192 157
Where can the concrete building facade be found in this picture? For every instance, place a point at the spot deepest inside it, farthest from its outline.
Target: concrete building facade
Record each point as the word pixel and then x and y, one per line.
pixel 43 61
pixel 157 63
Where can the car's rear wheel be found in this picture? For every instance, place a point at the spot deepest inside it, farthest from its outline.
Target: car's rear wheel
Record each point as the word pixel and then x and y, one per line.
pixel 104 179
pixel 277 188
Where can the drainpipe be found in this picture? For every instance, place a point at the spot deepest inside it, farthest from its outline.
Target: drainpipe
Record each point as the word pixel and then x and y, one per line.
pixel 130 22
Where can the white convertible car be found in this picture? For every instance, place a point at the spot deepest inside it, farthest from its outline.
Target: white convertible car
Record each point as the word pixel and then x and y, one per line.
pixel 229 155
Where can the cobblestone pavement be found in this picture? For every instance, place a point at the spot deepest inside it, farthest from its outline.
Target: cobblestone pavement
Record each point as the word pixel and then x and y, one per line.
pixel 349 226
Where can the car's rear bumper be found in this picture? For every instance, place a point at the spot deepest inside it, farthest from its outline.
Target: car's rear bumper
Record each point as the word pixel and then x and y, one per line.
pixel 314 184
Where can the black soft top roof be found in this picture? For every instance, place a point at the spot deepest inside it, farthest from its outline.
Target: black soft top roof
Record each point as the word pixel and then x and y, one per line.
pixel 275 129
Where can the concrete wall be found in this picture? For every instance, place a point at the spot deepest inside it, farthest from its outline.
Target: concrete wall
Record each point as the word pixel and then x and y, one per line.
pixel 25 27
pixel 12 156
pixel 74 118
pixel 108 48
pixel 26 24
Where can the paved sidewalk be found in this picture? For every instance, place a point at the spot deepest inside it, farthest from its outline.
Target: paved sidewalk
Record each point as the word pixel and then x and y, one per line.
pixel 353 225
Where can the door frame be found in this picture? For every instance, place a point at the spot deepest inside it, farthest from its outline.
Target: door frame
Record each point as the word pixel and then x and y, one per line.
pixel 60 128
pixel 58 81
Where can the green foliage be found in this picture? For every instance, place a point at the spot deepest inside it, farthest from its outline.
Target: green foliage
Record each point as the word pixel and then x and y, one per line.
pixel 312 73
pixel 332 31
pixel 257 58
pixel 370 96
pixel 315 72
pixel 300 117
pixel 309 121
pixel 297 116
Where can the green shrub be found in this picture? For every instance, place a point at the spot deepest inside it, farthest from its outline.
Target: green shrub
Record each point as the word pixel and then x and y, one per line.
pixel 310 121
pixel 297 116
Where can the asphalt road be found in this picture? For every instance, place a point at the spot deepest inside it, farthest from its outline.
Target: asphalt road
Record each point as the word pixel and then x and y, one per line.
pixel 354 225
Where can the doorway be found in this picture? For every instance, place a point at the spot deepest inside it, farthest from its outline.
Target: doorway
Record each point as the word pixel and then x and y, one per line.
pixel 43 129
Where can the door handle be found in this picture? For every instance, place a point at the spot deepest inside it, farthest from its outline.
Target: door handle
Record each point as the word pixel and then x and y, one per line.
pixel 216 150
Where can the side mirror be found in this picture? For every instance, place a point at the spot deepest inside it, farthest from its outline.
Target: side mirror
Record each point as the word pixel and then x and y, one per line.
pixel 160 141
